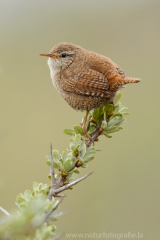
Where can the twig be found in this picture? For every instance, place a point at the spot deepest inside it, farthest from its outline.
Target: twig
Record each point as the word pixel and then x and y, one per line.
pixel 52 210
pixel 5 212
pixel 39 222
pixel 53 179
pixel 57 186
pixel 61 189
pixel 60 195
pixel 94 135
pixel 59 236
pixel 60 181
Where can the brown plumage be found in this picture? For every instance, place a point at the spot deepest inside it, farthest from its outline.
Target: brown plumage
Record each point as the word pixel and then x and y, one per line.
pixel 86 80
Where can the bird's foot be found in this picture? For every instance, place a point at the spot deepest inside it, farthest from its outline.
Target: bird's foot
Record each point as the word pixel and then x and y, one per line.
pixel 89 136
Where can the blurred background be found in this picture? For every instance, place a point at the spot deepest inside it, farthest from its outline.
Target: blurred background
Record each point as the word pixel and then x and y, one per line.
pixel 124 192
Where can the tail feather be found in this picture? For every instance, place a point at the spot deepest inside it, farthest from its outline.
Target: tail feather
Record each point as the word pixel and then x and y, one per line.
pixel 130 80
pixel 118 82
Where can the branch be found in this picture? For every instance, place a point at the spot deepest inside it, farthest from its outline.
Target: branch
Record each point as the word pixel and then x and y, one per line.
pixel 60 181
pixel 53 179
pixel 61 189
pixel 5 212
pixel 53 209
pixel 59 236
pixel 107 119
pixel 94 135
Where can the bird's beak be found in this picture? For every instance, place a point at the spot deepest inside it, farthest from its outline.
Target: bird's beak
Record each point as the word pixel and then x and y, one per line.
pixel 48 55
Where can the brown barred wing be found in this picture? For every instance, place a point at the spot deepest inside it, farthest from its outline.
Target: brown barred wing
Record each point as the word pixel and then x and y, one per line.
pixel 89 83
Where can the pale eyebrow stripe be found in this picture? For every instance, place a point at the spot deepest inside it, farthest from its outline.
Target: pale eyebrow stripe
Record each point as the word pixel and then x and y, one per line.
pixel 69 52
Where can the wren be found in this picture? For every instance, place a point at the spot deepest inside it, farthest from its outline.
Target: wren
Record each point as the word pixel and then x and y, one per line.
pixel 85 79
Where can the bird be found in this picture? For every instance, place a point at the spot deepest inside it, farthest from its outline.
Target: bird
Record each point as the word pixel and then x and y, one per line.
pixel 85 79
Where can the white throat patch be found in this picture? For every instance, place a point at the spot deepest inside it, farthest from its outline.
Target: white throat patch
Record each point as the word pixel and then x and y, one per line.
pixel 54 66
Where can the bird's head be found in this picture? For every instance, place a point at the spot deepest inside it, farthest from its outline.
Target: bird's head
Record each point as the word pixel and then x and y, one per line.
pixel 61 56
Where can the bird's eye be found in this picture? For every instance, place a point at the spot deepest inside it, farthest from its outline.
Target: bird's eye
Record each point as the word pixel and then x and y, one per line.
pixel 64 55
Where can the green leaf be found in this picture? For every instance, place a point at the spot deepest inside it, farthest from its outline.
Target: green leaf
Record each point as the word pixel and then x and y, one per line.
pixel 73 159
pixel 83 150
pixel 117 98
pixel 53 228
pixel 114 129
pixel 61 166
pixel 35 186
pixel 119 108
pixel 20 199
pixel 123 109
pixel 43 191
pixel 71 169
pixel 22 206
pixel 120 121
pixel 49 176
pixel 72 143
pixel 69 132
pixel 69 155
pixel 64 156
pixel 48 205
pixel 117 114
pixel 104 124
pixel 58 175
pixel 116 110
pixel 89 157
pixel 126 113
pixel 56 155
pixel 68 163
pixel 97 113
pixel 106 135
pixel 48 162
pixel 40 185
pixel 90 151
pixel 60 160
pixel 27 195
pixel 75 151
pixel 81 145
pixel 76 170
pixel 84 165
pixel 99 123
pixel 79 130
pixel 80 159
pixel 92 128
pixel 90 154
pixel 71 177
pixel 77 138
pixel 112 122
pixel 54 216
pixel 109 108
pixel 46 232
pixel 56 165
pixel 48 157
